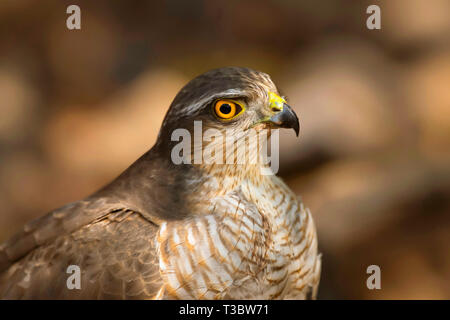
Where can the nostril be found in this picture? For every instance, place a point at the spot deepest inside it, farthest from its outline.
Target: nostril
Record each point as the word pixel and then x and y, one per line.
pixel 275 109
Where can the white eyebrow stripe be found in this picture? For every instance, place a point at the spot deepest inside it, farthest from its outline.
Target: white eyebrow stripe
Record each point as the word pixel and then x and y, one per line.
pixel 191 109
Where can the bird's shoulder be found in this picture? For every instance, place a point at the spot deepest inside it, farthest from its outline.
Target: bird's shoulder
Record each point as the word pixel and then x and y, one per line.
pixel 63 220
pixel 112 245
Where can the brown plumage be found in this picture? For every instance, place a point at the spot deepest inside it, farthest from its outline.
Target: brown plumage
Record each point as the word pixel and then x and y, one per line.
pixel 192 230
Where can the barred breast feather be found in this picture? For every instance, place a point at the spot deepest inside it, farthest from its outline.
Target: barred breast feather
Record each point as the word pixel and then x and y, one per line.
pixel 258 242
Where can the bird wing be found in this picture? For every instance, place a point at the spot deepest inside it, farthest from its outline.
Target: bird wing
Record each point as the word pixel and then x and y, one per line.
pixel 113 246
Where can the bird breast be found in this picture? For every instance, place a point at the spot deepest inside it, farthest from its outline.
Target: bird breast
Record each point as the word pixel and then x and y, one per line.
pixel 258 242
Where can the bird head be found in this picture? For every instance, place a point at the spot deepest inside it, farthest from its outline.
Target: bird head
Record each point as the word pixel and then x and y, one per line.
pixel 227 102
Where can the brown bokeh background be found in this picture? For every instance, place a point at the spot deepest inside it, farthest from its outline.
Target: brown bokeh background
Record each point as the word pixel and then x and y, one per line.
pixel 373 159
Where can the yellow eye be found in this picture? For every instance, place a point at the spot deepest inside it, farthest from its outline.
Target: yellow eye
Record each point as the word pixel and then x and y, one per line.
pixel 227 109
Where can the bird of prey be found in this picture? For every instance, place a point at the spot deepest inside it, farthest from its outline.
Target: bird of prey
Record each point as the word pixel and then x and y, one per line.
pixel 167 229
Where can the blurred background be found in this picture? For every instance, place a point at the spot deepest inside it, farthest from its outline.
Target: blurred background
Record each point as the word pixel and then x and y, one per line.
pixel 373 158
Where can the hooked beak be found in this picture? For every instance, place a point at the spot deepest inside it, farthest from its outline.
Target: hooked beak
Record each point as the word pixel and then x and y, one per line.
pixel 285 118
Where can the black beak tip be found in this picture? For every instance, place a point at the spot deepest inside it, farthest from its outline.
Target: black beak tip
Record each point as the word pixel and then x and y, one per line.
pixel 296 129
pixel 292 119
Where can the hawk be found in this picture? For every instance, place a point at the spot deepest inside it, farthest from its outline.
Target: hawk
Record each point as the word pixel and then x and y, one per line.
pixel 168 229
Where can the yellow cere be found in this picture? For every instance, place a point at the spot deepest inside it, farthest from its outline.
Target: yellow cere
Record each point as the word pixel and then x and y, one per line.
pixel 276 102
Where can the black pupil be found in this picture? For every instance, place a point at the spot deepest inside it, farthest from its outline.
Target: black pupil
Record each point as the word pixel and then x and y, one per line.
pixel 225 108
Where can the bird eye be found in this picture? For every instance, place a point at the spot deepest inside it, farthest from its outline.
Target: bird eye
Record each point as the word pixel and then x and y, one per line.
pixel 227 109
